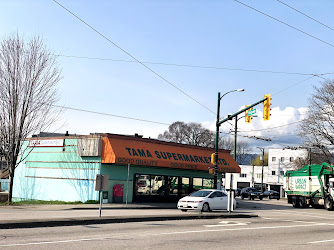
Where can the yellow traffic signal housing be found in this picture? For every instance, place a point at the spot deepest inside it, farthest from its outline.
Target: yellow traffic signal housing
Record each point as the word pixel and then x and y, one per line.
pixel 212 159
pixel 266 107
pixel 211 171
pixel 248 118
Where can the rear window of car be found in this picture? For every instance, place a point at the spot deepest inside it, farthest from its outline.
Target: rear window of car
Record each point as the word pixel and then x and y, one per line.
pixel 200 193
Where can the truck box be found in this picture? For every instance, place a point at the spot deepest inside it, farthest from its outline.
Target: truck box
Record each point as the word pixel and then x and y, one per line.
pixel 311 185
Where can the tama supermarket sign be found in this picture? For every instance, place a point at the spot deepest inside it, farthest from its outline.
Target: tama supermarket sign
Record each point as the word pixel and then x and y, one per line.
pixel 47 143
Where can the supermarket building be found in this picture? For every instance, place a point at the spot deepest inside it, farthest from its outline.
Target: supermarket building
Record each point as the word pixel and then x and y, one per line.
pixel 139 169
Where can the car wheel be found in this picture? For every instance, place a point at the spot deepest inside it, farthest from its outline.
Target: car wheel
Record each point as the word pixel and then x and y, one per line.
pixel 278 198
pixel 206 207
pixel 242 197
pixel 184 210
pixel 328 204
pixel 249 197
pixel 261 198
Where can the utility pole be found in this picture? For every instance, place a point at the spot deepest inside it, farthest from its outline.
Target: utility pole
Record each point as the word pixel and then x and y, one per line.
pixel 218 123
pixel 235 137
pixel 262 149
pixel 215 178
pixel 230 117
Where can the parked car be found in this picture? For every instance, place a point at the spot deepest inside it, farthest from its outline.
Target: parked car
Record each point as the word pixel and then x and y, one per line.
pixel 271 194
pixel 250 193
pixel 205 200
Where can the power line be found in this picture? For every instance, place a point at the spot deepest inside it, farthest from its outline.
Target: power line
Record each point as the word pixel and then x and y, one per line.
pixel 134 58
pixel 305 15
pixel 106 114
pixel 249 137
pixel 188 65
pixel 301 31
pixel 294 85
pixel 255 130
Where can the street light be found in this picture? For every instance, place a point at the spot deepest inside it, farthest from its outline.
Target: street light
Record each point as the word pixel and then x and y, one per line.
pixel 217 134
pixel 262 149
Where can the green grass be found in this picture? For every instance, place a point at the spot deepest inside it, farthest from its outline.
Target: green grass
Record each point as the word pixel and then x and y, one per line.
pixel 38 202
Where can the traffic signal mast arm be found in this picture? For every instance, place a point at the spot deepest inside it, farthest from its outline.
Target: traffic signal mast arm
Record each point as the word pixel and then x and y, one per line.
pixel 239 112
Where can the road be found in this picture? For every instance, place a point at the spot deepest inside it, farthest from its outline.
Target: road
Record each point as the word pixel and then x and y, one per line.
pixel 279 226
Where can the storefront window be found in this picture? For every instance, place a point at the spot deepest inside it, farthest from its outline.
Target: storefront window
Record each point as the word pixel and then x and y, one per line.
pixel 142 184
pixel 158 185
pixel 185 186
pixel 207 183
pixel 173 183
pixel 197 183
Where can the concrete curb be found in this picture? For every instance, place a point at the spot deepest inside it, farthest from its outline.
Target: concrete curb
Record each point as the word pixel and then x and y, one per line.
pixel 109 220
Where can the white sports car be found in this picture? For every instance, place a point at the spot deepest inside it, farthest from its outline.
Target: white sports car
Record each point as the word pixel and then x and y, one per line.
pixel 205 200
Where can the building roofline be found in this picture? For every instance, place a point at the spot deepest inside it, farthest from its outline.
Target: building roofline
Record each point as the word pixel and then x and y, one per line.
pixel 137 137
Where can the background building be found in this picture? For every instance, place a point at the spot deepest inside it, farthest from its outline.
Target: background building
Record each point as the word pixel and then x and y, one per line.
pixel 279 161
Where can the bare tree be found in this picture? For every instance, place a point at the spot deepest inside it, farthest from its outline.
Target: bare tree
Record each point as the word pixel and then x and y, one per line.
pixel 188 133
pixel 196 134
pixel 29 75
pixel 318 127
pixel 317 157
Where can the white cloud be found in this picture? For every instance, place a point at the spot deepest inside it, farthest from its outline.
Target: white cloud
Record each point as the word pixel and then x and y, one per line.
pixel 282 127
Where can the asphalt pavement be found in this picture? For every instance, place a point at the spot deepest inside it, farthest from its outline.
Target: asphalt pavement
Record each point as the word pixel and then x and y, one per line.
pixel 28 216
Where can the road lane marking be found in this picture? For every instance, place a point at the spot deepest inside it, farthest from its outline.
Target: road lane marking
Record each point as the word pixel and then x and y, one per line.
pixel 320 241
pixel 49 242
pixel 246 228
pixel 305 214
pixel 168 233
pixel 228 224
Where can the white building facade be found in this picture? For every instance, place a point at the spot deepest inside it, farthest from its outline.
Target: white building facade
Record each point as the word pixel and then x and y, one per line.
pixel 279 161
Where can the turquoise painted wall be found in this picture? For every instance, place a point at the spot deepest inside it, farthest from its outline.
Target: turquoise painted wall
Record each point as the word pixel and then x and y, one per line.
pixel 56 173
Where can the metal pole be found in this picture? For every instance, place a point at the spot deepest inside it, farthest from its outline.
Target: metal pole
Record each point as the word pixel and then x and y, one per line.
pixel 279 166
pixel 216 145
pixel 127 186
pixel 100 202
pixel 101 191
pixel 262 170
pixel 253 176
pixel 309 156
pixel 235 138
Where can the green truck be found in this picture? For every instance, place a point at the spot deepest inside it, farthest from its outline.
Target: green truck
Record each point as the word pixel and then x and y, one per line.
pixel 311 185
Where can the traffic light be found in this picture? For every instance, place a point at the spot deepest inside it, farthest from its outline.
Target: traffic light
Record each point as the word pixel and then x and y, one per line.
pixel 266 107
pixel 213 158
pixel 212 169
pixel 248 118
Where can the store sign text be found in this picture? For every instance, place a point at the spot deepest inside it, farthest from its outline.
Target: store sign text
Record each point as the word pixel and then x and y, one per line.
pixel 163 155
pixel 46 143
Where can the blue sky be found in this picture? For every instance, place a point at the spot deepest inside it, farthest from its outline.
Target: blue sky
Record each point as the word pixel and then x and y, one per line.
pixel 219 34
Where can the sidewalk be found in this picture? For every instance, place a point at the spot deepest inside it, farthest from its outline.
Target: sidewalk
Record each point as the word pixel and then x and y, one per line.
pixel 85 214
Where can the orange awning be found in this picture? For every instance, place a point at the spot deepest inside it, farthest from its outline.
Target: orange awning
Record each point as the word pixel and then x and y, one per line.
pixel 148 152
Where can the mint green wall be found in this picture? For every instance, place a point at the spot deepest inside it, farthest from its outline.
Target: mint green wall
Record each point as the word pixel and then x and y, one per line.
pixel 56 173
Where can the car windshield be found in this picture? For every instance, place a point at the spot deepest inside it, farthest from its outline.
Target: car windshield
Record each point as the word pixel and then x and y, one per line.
pixel 200 193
